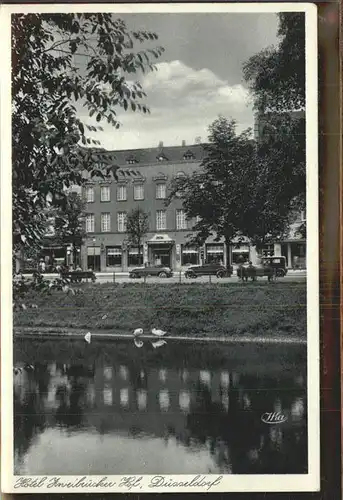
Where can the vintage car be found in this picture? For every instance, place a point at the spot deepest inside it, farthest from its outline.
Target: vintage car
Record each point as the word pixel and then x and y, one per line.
pixel 213 269
pixel 78 276
pixel 158 270
pixel 272 267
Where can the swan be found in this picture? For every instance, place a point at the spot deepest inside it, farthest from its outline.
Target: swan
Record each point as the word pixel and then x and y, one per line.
pixel 138 343
pixel 157 332
pixel 138 332
pixel 158 343
pixel 88 337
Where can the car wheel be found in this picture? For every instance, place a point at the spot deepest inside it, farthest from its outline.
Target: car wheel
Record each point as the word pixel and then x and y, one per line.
pixel 281 273
pixel 162 274
pixel 220 274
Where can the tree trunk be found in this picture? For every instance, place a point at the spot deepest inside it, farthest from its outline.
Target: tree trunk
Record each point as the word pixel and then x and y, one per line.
pixel 139 252
pixel 228 253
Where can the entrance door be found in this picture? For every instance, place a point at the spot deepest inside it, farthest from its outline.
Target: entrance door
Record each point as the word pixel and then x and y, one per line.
pixel 161 256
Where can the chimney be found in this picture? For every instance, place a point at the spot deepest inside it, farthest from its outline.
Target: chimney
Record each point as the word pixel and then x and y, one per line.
pixel 183 143
pixel 160 144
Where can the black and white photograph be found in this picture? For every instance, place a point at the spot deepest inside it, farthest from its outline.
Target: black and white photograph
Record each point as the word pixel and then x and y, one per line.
pixel 159 248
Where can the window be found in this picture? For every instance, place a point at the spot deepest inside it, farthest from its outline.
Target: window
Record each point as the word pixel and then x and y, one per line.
pixel 90 223
pixel 89 194
pixel 162 157
pixel 189 256
pixel 160 191
pixel 181 221
pixel 188 155
pixel 121 221
pixel 105 223
pixel 121 193
pixel 214 253
pixel 134 258
pixel 161 220
pixel 113 256
pixel 105 194
pixel 268 250
pixel 138 192
pixel 179 175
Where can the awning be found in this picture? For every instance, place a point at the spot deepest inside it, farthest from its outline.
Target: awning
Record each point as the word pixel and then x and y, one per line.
pixel 93 251
pixel 215 249
pixel 134 251
pixel 114 251
pixel 189 250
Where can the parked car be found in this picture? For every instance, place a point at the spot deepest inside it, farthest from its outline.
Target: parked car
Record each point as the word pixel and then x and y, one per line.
pixel 269 266
pixel 213 269
pixel 160 271
pixel 78 276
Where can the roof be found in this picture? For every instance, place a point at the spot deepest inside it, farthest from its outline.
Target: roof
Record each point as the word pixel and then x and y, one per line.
pixel 148 156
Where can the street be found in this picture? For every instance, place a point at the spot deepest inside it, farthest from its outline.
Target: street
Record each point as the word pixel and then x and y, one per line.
pixel 120 277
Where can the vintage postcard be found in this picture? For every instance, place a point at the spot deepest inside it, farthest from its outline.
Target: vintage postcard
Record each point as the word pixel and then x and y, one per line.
pixel 159 248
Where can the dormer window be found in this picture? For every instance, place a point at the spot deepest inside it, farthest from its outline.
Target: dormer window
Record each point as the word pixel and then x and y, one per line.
pixel 180 174
pixel 188 155
pixel 131 160
pixel 162 157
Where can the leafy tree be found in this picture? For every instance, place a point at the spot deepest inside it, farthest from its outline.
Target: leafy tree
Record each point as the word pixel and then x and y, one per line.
pixel 70 223
pixel 137 226
pixel 276 78
pixel 219 193
pixel 49 86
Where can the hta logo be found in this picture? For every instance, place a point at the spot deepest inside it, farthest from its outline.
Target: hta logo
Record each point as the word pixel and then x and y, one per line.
pixel 273 418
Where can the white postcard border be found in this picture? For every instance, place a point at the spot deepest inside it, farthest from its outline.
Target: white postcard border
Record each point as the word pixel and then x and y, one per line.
pixel 145 483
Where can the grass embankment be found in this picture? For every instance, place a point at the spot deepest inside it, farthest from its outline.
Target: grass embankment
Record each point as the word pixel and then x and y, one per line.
pixel 181 309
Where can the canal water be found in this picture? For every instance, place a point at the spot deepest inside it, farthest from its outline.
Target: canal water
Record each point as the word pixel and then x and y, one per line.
pixel 112 408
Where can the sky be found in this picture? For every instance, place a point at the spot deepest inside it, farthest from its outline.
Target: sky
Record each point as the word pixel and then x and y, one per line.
pixel 198 77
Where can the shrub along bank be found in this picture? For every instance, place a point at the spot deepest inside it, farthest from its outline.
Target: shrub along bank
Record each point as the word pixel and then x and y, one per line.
pixel 277 309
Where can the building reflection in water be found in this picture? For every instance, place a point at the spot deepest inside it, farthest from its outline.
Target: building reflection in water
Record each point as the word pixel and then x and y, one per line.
pixel 217 412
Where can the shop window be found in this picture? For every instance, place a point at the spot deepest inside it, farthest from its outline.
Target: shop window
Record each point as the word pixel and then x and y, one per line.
pixel 214 253
pixel 113 256
pixel 268 250
pixel 189 256
pixel 135 259
pixel 240 255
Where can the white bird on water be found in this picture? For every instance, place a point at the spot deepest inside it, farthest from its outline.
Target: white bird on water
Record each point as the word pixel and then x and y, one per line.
pixel 157 332
pixel 138 343
pixel 88 337
pixel 138 332
pixel 158 343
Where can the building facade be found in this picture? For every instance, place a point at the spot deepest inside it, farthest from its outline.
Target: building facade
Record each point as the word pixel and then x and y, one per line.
pixel 143 181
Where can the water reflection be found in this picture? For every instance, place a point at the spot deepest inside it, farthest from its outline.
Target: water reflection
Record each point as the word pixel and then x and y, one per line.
pixel 115 419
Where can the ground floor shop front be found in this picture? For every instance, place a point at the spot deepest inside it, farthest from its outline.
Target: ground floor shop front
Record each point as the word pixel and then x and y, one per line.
pixel 110 252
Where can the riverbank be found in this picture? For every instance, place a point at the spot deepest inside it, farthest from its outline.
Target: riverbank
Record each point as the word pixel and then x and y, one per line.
pixel 196 310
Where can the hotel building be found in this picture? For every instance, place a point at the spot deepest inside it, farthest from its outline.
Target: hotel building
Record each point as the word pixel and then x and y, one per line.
pixel 143 179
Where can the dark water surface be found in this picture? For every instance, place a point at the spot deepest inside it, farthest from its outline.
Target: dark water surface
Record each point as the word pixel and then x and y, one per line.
pixel 116 409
